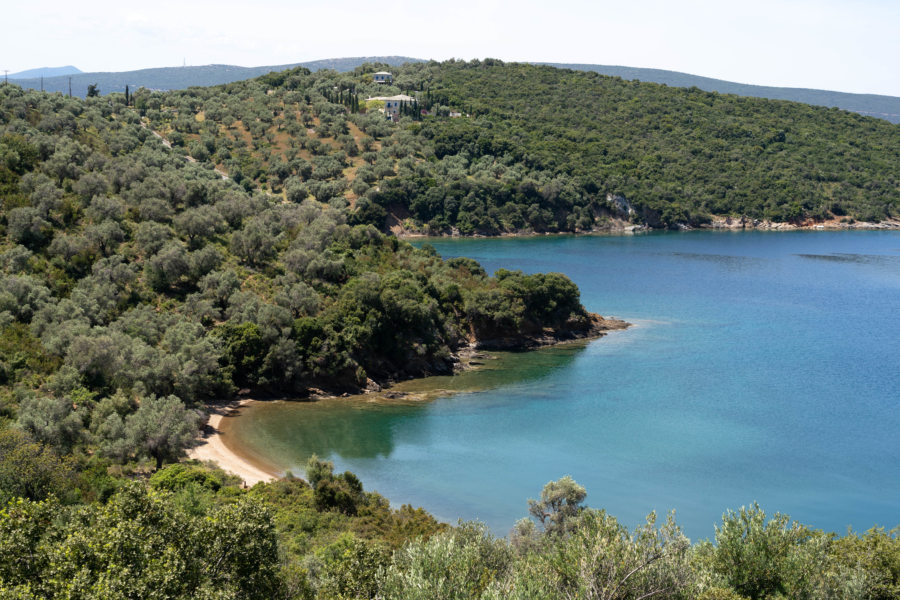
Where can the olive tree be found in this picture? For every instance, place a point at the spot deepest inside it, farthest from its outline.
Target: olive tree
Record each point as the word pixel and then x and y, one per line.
pixel 161 428
pixel 560 504
pixel 753 553
pixel 599 559
pixel 139 544
pixel 29 469
pixel 455 565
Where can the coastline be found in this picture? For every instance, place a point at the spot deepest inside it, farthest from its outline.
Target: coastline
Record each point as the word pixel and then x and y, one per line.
pixel 718 223
pixel 833 224
pixel 597 327
pixel 211 446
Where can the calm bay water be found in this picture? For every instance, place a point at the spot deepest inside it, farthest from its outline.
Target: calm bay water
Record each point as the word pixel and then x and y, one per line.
pixel 762 367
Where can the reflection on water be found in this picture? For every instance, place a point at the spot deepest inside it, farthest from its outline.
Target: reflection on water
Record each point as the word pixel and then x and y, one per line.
pixel 879 259
pixel 723 260
pixel 283 434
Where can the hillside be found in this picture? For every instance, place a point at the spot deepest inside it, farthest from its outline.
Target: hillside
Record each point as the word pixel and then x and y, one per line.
pixel 138 288
pixel 46 72
pixel 265 294
pixel 541 149
pixel 175 78
pixel 127 272
pixel 872 105
pixel 178 78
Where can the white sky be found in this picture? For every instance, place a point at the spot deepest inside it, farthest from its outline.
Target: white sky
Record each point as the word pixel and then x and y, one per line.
pixel 844 45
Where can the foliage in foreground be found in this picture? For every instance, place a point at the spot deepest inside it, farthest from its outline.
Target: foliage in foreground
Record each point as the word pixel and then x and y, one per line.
pixel 191 532
pixel 137 545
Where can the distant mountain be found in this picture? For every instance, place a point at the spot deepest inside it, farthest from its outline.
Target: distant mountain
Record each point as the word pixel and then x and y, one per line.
pixel 46 72
pixel 348 64
pixel 874 105
pixel 177 78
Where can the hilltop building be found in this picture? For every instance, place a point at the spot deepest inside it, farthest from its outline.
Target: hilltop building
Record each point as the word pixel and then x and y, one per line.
pixel 383 77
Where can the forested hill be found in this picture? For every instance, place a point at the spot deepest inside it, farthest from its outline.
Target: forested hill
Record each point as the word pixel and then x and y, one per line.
pixel 136 286
pixel 175 78
pixel 535 149
pixel 873 105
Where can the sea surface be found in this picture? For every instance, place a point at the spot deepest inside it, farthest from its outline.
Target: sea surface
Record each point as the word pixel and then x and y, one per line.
pixel 761 367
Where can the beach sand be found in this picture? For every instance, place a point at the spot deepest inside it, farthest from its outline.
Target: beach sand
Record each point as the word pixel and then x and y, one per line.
pixel 211 447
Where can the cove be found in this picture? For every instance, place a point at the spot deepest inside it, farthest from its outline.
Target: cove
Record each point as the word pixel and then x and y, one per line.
pixel 762 366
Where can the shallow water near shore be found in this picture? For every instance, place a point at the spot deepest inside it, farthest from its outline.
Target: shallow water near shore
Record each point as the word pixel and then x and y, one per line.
pixel 761 367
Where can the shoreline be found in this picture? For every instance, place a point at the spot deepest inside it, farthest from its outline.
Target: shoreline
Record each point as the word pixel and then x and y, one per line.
pixel 717 224
pixel 534 340
pixel 211 446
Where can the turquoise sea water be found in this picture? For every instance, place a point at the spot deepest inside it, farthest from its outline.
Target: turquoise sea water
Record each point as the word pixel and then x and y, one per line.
pixel 762 367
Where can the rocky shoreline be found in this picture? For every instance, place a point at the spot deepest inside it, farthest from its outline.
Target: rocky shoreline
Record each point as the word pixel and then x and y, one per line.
pixel 596 327
pixel 719 223
pixel 734 223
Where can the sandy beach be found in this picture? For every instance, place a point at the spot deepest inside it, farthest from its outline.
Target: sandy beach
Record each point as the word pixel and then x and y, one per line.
pixel 211 447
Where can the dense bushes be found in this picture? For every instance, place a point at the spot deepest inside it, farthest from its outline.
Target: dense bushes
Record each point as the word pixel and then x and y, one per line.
pixel 138 545
pixel 191 531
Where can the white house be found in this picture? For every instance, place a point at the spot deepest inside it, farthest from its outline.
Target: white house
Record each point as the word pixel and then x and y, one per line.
pixel 392 104
pixel 383 77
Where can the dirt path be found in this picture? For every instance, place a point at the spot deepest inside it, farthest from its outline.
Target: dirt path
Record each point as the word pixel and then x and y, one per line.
pixel 187 157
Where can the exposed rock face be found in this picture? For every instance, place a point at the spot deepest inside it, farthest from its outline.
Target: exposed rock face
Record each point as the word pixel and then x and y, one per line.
pixel 746 223
pixel 730 223
pixel 620 203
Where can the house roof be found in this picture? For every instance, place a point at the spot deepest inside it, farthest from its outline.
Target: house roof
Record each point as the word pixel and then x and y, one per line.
pixel 382 73
pixel 402 97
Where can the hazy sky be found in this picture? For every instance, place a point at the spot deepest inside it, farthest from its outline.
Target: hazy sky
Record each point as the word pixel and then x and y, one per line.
pixel 845 45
